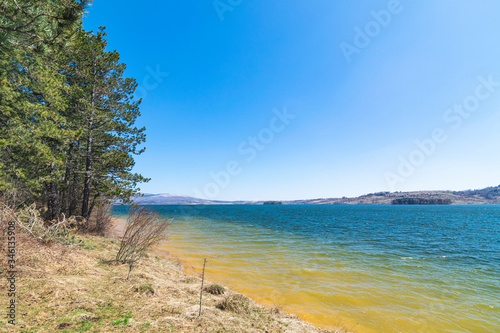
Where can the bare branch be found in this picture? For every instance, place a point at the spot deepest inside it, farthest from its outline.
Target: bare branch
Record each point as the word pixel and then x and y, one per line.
pixel 143 229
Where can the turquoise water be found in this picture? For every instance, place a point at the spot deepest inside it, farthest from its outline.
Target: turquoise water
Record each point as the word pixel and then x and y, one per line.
pixel 371 268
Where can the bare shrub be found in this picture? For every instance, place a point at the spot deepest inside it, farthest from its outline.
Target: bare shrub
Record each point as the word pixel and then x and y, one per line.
pixel 143 229
pixel 101 221
pixel 203 279
pixel 30 221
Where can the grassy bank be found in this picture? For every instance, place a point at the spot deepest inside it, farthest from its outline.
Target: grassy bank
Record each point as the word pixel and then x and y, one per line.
pixel 78 288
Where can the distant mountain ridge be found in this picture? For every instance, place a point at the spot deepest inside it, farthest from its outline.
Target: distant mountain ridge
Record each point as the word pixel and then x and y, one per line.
pixel 179 199
pixel 489 195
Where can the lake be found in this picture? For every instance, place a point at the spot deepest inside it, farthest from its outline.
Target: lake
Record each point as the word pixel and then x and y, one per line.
pixel 366 268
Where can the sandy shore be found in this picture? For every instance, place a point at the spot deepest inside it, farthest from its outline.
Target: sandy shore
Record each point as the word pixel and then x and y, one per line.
pixel 78 287
pixel 189 272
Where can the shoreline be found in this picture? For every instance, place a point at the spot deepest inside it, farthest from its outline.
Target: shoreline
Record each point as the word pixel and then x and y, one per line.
pixel 79 287
pixel 189 270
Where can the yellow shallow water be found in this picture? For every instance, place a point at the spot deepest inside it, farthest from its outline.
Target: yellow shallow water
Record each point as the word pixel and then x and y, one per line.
pixel 351 305
pixel 349 291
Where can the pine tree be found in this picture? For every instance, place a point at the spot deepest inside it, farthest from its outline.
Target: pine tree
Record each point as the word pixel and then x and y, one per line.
pixel 109 138
pixel 32 127
pixel 38 23
pixel 32 95
pixel 67 121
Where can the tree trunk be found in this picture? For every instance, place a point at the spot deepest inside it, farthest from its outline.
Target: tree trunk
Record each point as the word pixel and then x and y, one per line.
pixel 73 199
pixel 67 176
pixel 54 209
pixel 88 164
pixel 88 176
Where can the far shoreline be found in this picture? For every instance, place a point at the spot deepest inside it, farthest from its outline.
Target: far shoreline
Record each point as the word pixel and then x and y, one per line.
pixel 485 196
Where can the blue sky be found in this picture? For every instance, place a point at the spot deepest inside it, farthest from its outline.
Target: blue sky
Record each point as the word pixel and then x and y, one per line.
pixel 250 100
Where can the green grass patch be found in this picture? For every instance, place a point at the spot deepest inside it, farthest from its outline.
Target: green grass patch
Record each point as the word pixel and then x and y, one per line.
pixel 124 321
pixel 145 289
pixel 85 326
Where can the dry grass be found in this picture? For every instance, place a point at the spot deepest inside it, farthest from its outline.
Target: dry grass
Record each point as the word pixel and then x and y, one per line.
pixel 215 289
pixel 68 288
pixel 236 303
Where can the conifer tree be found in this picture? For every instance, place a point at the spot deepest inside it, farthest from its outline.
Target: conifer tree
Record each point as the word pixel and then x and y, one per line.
pixel 67 122
pixel 108 114
pixel 39 23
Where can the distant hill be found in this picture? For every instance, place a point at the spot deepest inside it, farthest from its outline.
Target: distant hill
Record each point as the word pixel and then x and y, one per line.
pixel 489 195
pixel 178 199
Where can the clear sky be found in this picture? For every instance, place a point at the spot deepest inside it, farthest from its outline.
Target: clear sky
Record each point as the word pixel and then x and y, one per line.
pixel 248 99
